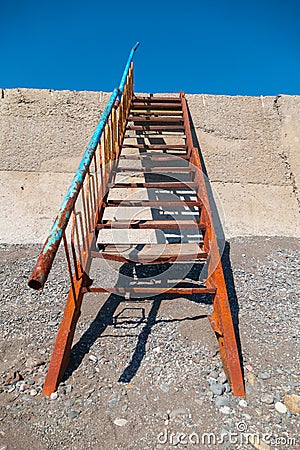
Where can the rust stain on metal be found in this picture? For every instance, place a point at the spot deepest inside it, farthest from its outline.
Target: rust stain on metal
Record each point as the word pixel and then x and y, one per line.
pixel 93 203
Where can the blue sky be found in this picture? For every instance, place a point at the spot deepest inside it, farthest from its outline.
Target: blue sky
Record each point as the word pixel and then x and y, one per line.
pixel 213 46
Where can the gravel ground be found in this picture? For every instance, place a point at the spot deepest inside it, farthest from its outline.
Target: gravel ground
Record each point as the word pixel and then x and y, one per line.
pixel 147 375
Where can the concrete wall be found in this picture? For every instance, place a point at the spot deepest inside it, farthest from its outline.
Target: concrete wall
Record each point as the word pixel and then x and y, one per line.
pixel 251 149
pixel 250 145
pixel 43 135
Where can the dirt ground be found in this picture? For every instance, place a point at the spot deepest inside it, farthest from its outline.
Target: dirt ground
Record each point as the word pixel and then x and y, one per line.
pixel 147 374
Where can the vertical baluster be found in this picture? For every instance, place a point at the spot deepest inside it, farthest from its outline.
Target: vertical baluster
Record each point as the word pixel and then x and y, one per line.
pixel 96 176
pixel 85 216
pixel 92 198
pixel 67 254
pixel 83 247
pixel 88 202
pixel 100 151
pixel 114 133
pixel 74 230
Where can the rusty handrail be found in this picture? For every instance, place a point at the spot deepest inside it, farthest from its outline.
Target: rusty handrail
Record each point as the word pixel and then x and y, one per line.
pixel 44 263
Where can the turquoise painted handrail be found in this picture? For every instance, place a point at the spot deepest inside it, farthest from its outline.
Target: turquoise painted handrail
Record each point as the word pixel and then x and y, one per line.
pixel 44 263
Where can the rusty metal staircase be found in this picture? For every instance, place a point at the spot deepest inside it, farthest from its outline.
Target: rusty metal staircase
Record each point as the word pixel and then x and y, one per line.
pixel 139 197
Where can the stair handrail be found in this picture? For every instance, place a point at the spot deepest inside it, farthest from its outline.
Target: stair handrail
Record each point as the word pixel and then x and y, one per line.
pixel 126 70
pixel 45 260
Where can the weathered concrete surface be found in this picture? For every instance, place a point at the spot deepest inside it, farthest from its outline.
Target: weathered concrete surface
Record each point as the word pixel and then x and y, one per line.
pixel 43 135
pixel 288 111
pixel 250 147
pixel 251 152
pixel 43 130
pixel 29 204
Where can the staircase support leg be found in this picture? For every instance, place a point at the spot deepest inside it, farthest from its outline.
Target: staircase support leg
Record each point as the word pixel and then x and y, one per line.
pixel 222 324
pixel 61 354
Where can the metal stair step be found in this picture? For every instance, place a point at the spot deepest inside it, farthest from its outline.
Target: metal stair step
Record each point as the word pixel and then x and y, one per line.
pixel 155 106
pixel 138 119
pixel 156 147
pixel 152 224
pixel 159 170
pixel 161 185
pixel 153 290
pixel 156 127
pixel 152 253
pixel 157 99
pixel 154 157
pixel 158 113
